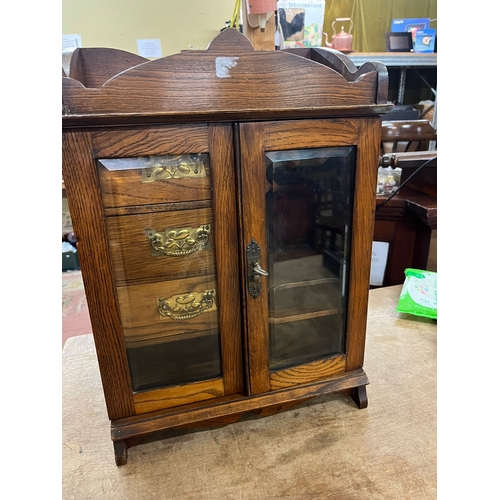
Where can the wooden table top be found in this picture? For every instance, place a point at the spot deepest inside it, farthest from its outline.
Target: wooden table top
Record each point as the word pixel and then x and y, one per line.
pixel 319 449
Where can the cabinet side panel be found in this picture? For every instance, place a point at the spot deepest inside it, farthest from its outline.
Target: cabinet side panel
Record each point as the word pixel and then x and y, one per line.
pixel 363 225
pixel 226 250
pixel 82 187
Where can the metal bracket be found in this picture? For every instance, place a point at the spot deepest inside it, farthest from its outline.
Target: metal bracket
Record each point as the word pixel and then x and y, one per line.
pixel 255 272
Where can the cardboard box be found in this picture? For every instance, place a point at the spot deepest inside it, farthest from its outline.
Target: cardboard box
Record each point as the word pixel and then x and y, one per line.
pixel 425 41
pixel 411 25
pixel 300 23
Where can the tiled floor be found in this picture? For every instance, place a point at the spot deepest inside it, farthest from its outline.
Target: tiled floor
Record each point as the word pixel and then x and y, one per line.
pixel 75 314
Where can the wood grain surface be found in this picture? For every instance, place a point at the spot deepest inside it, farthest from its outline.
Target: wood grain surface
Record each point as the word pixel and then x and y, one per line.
pixel 139 306
pixel 307 372
pixel 176 396
pixel 231 104
pixel 168 418
pixel 126 188
pixel 135 260
pixel 253 209
pixel 215 83
pixel 221 144
pixel 82 187
pixel 119 142
pixel 324 448
pixel 363 223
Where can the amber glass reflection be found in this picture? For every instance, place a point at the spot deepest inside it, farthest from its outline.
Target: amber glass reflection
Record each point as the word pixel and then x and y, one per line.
pixel 309 218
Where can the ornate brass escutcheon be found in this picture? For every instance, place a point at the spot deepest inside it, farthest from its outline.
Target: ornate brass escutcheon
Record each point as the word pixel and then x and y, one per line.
pixel 174 167
pixel 255 272
pixel 187 305
pixel 179 242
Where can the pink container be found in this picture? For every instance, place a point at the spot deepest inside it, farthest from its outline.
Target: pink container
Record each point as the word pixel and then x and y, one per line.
pixel 261 6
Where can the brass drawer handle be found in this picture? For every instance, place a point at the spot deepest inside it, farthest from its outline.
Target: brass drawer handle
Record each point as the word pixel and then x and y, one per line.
pixel 179 242
pixel 187 305
pixel 174 167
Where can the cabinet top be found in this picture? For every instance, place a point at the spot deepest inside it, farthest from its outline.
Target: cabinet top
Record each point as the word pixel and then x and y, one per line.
pixel 229 81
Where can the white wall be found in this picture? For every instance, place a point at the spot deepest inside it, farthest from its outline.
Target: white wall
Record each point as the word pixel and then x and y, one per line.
pixel 119 23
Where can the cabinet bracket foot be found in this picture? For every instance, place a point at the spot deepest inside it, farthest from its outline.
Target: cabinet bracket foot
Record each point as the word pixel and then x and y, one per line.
pixel 121 452
pixel 359 396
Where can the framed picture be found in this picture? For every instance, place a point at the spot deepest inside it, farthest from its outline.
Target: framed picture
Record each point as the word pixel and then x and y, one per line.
pixel 411 25
pixel 300 23
pixel 398 41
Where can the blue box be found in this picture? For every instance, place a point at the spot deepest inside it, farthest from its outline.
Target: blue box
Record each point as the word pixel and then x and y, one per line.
pixel 425 41
pixel 411 25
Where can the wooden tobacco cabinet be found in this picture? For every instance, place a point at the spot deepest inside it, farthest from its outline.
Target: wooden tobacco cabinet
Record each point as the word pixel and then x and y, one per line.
pixel 223 202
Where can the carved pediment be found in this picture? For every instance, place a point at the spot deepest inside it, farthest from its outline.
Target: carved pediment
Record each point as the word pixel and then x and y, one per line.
pixel 229 78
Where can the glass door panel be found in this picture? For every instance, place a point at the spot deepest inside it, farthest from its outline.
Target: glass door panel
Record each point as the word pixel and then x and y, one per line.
pixel 178 362
pixel 160 225
pixel 308 232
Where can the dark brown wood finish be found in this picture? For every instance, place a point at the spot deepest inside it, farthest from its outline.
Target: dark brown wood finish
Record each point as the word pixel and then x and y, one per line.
pixel 82 187
pixel 124 187
pixel 226 248
pixel 406 223
pixel 153 140
pixel 139 308
pixel 135 259
pixel 343 65
pixel 141 325
pixel 364 213
pixel 121 452
pixel 310 134
pixel 142 425
pixel 399 136
pixel 359 396
pixel 253 206
pixel 95 67
pixel 283 135
pixel 212 85
pixel 232 103
pixel 207 88
pixel 407 219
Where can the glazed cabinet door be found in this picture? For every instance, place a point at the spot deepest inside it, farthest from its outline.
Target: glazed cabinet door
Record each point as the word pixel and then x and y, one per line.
pixel 307 199
pixel 167 198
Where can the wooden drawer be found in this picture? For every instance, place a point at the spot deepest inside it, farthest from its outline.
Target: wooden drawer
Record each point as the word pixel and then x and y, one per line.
pixel 154 179
pixel 161 245
pixel 169 308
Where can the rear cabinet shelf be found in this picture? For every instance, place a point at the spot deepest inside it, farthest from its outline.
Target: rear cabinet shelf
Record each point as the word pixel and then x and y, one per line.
pixel 224 245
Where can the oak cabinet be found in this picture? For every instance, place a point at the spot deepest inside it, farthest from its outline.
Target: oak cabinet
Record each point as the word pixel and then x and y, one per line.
pixel 223 202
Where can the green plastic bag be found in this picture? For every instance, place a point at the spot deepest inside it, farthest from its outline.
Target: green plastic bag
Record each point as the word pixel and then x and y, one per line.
pixel 419 294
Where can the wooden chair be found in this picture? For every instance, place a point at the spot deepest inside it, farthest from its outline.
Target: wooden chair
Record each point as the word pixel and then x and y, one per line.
pixel 405 144
pixel 407 220
pixel 404 136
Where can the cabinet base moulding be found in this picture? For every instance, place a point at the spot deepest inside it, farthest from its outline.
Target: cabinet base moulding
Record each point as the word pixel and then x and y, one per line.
pixel 125 432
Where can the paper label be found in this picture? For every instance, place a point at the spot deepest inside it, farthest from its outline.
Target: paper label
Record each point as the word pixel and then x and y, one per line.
pixel 380 251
